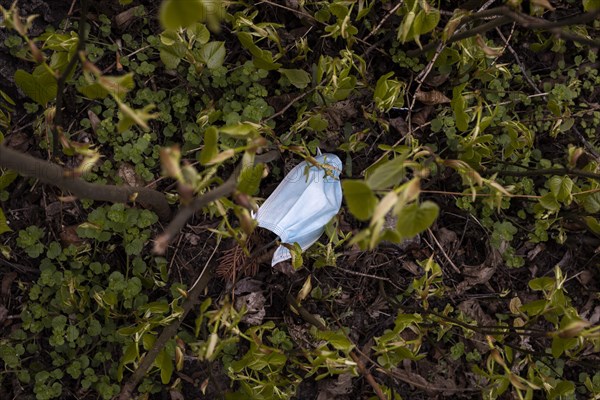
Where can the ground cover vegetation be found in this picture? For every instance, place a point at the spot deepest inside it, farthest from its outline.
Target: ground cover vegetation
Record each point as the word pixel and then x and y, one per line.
pixel 138 136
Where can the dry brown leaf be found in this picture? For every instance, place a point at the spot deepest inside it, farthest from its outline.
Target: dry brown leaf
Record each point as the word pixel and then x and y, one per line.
pixel 422 116
pixel 335 388
pixel 432 97
pixel 130 177
pixel 94 120
pixel 126 18
pixel 255 307
pixel 7 281
pixel 69 236
pixel 472 309
pixel 447 238
pixel 479 274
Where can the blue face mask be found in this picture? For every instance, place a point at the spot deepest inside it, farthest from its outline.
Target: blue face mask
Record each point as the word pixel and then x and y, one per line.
pixel 302 204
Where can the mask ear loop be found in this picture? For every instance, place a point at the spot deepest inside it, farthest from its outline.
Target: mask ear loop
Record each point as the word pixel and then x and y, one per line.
pixel 319 151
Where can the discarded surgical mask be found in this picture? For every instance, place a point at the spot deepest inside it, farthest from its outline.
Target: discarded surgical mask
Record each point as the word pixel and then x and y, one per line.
pixel 301 206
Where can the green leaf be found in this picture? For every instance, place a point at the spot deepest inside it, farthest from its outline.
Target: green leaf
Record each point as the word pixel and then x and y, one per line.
pixel 387 175
pixel 7 178
pixel 590 5
pixel 240 129
pixel 199 33
pixel 165 364
pixel 172 49
pixel 592 224
pixel 458 105
pixel 548 201
pixel 544 283
pixel 296 253
pixel 130 117
pixel 318 123
pixel 116 85
pixel 297 77
pixel 563 389
pixel 337 339
pixel 210 150
pixel 249 179
pixel 262 58
pixel 591 202
pixel 40 87
pixel 561 187
pixel 360 199
pixel 415 218
pixel 3 224
pixel 213 54
pixel 175 14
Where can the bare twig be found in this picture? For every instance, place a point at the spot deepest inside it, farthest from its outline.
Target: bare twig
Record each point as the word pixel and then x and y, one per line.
pixel 438 244
pixel 380 24
pixel 62 79
pixel 549 171
pixel 591 149
pixel 54 174
pixel 291 103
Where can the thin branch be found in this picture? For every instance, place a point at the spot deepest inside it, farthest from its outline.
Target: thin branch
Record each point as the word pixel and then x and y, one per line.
pixel 187 212
pixel 169 331
pixel 62 79
pixel 291 103
pixel 506 15
pixel 54 174
pixel 380 24
pixel 549 171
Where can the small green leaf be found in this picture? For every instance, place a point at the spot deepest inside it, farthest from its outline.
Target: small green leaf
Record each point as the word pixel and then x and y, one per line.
pixel 544 283
pixel 561 187
pixel 7 178
pixel 249 179
pixel 297 77
pixel 130 117
pixel 40 87
pixel 116 85
pixel 165 364
pixel 593 224
pixel 415 218
pixel 590 5
pixel 388 174
pixel 210 150
pixel 360 199
pixel 549 202
pixel 240 129
pixel 213 54
pixel 3 224
pixel 175 14
pixel 458 105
